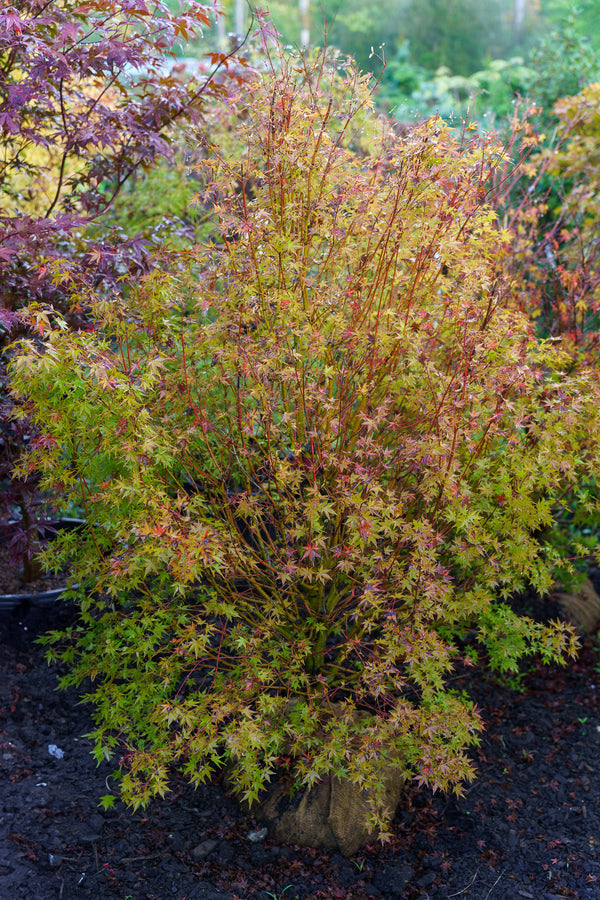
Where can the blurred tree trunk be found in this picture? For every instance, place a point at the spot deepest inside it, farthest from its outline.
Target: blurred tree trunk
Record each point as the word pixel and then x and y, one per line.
pixel 239 19
pixel 519 18
pixel 220 26
pixel 304 23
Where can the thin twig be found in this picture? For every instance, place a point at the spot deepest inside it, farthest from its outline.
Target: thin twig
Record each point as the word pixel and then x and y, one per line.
pixel 466 888
pixel 129 859
pixel 495 883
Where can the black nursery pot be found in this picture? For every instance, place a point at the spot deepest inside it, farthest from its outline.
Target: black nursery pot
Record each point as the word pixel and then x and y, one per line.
pixel 32 597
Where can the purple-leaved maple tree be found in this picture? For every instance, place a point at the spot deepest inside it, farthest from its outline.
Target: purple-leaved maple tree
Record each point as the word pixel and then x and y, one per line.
pixel 87 97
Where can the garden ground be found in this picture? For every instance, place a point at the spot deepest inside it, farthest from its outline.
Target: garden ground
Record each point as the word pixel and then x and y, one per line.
pixel 528 827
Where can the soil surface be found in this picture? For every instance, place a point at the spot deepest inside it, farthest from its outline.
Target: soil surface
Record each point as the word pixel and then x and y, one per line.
pixel 529 826
pixel 12 579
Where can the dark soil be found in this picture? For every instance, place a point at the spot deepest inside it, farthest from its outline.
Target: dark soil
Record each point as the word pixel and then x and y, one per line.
pixel 12 578
pixel 529 826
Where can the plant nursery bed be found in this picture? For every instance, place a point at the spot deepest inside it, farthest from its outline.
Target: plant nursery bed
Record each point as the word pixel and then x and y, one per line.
pixel 42 590
pixel 11 583
pixel 528 827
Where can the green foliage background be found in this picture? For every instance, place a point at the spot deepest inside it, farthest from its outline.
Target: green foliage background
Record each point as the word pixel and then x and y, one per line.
pixel 455 58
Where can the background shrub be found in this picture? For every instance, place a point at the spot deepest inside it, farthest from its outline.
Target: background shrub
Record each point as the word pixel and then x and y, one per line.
pixel 86 104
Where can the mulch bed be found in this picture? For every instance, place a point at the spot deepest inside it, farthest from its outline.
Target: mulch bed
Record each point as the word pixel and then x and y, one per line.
pixel 529 826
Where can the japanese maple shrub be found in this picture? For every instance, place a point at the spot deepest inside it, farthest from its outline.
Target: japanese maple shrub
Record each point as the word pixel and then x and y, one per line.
pixel 86 102
pixel 310 484
pixel 572 298
pixel 546 194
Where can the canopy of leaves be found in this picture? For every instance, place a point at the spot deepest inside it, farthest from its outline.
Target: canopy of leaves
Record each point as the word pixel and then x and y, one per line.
pixel 86 99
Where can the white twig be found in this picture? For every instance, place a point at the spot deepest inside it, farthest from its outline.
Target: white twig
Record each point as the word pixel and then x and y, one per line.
pixel 466 888
pixel 494 884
